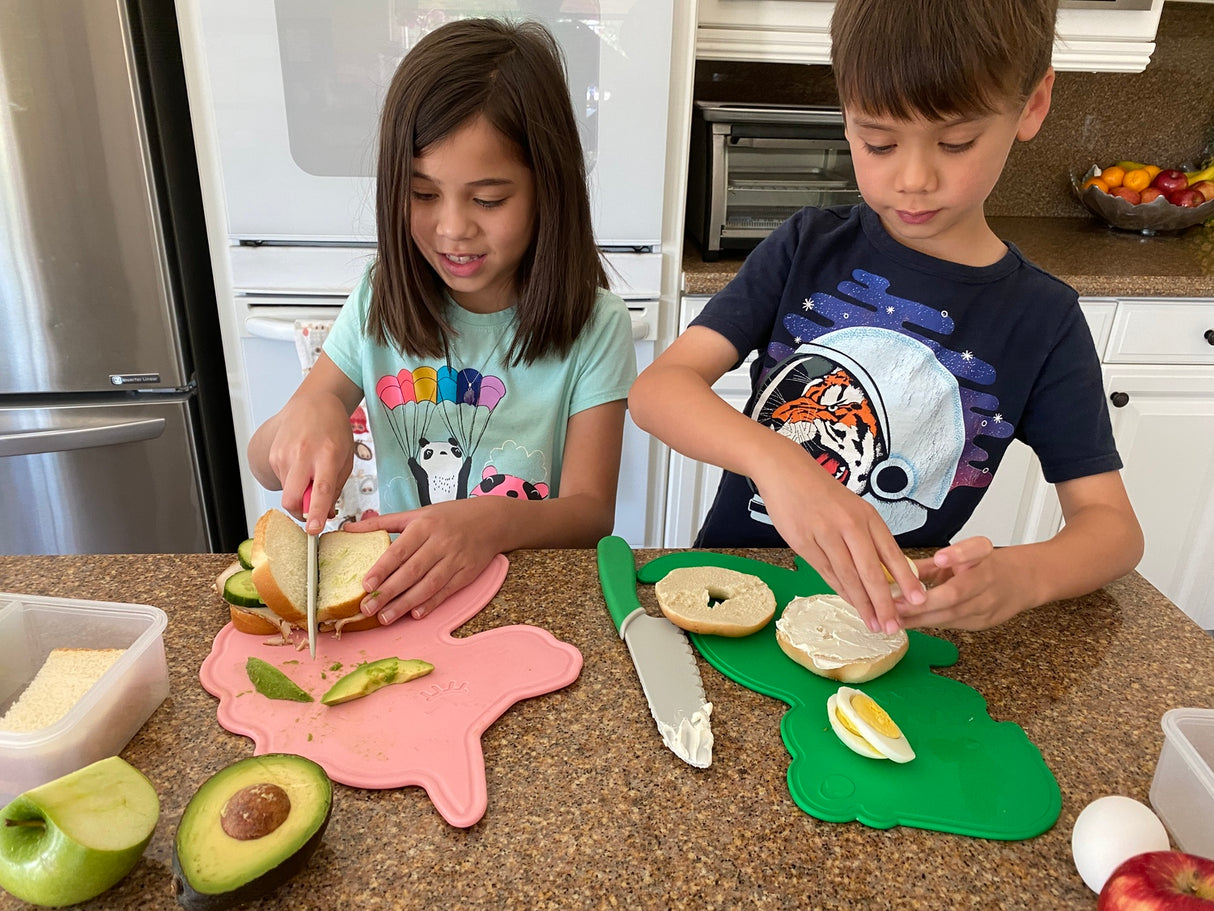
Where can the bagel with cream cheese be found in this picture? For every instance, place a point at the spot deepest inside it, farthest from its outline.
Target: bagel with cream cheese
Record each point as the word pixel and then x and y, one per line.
pixel 826 635
pixel 715 600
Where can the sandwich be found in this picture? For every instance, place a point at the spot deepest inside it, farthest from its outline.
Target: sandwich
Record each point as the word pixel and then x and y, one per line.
pixel 267 590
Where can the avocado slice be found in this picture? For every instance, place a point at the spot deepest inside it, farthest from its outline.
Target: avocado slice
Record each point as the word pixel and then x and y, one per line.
pixel 249 828
pixel 273 683
pixel 367 678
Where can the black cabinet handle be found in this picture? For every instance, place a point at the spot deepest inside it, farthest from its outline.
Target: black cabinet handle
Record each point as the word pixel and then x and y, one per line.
pixel 1119 399
pixel 1209 336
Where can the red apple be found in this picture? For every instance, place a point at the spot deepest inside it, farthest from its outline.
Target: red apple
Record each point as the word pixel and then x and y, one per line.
pixel 1205 188
pixel 1160 881
pixel 1149 194
pixel 1187 197
pixel 1170 180
pixel 1130 196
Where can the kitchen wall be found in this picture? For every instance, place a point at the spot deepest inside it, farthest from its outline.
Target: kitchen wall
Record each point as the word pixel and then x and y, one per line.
pixel 1163 115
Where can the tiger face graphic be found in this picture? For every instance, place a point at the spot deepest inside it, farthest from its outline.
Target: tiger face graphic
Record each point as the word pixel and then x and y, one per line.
pixel 833 420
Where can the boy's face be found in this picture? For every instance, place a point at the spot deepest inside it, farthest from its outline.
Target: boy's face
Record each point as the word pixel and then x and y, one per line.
pixel 928 179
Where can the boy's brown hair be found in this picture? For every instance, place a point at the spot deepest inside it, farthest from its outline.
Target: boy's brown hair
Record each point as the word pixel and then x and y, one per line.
pixel 512 74
pixel 940 58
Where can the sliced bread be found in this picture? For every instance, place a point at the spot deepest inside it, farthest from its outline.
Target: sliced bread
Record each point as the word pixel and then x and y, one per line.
pixel 65 676
pixel 280 569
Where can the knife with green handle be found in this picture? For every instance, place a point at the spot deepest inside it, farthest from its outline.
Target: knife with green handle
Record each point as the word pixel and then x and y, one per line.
pixel 662 656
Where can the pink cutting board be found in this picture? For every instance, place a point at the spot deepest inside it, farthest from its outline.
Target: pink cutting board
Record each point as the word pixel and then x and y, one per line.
pixel 426 732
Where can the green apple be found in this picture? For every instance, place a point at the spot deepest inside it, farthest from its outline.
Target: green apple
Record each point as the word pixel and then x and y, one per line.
pixel 70 839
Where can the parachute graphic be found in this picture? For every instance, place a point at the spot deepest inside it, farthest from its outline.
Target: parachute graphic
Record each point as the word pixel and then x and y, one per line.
pixel 458 404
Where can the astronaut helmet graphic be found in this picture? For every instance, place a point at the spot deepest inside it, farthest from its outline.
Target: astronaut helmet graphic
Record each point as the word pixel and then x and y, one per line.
pixel 877 410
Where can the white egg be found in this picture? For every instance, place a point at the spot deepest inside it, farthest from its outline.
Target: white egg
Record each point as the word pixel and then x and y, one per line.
pixel 852 740
pixel 859 714
pixel 1110 830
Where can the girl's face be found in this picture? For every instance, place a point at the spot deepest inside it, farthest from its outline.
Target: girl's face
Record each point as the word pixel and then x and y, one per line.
pixel 473 214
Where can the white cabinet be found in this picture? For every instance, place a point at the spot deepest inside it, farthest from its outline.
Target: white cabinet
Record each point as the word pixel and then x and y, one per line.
pixel 691 485
pixel 1163 419
pixel 796 31
pixel 1158 359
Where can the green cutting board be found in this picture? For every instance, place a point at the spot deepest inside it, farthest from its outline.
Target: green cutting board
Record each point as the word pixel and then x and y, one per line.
pixel 971 775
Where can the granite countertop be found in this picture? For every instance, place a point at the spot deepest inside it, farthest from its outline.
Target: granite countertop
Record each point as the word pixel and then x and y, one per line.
pixel 1097 261
pixel 587 808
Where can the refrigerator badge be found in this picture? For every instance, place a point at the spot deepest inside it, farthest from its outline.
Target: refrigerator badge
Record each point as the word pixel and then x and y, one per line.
pixel 133 379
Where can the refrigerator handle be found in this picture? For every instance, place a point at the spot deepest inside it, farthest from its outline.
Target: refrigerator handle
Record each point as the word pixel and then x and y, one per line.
pixel 61 439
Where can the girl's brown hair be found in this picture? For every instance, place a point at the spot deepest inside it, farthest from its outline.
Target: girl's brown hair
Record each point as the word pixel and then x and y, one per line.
pixel 940 58
pixel 512 74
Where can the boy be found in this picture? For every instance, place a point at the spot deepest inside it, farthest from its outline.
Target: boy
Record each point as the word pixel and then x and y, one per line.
pixel 903 345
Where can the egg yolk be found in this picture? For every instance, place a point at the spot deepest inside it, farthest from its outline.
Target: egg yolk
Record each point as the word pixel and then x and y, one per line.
pixel 875 716
pixel 843 720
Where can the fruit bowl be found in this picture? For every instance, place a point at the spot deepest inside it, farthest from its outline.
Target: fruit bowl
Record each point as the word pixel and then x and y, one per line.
pixel 1147 218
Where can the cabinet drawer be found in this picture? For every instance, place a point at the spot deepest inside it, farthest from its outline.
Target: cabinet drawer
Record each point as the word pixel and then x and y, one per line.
pixel 1162 331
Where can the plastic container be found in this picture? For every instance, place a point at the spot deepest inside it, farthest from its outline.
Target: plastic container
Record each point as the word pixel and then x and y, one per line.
pixel 106 717
pixel 1182 792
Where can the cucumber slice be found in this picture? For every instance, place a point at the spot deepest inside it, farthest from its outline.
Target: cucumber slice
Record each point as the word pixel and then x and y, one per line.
pixel 244 553
pixel 240 590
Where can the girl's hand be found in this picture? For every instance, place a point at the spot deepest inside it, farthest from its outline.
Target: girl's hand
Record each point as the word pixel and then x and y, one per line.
pixel 840 535
pixel 309 442
pixel 439 549
pixel 971 585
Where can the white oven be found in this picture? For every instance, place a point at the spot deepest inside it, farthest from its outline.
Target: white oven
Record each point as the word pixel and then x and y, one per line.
pixel 284 98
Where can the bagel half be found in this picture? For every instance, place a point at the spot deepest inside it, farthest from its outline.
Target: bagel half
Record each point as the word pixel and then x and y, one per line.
pixel 687 595
pixel 825 635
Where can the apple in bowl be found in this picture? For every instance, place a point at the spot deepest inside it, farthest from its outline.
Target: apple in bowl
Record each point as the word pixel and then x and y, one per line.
pixel 1160 881
pixel 1170 180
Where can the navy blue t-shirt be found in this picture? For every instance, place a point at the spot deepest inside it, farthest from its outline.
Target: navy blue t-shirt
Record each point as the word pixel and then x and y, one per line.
pixel 904 375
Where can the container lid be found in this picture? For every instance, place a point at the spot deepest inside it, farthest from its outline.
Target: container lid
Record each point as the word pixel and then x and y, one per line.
pixel 1179 726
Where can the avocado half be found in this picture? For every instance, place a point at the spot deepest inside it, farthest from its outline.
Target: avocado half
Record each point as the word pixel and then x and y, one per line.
pixel 250 827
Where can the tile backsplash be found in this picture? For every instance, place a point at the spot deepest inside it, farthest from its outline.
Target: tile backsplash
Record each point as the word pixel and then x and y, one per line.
pixel 1164 114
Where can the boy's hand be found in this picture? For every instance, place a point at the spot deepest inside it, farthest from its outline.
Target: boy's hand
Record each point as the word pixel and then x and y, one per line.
pixel 439 549
pixel 971 585
pixel 843 538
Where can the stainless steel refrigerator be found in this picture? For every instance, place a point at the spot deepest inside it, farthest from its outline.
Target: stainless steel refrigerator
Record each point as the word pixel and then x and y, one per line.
pixel 115 428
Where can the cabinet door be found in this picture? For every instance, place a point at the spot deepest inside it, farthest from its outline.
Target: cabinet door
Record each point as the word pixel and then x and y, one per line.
pixel 691 485
pixel 1163 419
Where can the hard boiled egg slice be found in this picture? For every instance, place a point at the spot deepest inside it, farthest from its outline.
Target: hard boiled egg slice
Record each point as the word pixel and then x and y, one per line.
pixel 859 712
pixel 845 732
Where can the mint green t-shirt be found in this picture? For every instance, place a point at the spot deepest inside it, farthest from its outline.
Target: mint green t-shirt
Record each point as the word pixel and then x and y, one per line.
pixel 476 426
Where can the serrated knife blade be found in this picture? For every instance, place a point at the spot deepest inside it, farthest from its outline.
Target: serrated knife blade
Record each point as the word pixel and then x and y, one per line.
pixel 664 660
pixel 313 575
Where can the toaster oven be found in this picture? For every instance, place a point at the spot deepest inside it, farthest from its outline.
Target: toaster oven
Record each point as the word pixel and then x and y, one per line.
pixel 754 165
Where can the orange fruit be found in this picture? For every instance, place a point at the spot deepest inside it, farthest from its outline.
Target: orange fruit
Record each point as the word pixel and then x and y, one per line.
pixel 1096 182
pixel 1113 175
pixel 1153 170
pixel 1138 179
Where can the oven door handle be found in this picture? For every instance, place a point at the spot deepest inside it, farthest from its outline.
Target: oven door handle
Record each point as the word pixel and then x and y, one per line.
pixel 271 328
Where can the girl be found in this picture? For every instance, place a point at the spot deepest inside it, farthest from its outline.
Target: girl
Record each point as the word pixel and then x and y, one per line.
pixel 494 364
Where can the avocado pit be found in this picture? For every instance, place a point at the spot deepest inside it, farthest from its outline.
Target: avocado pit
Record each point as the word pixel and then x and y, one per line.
pixel 255 811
